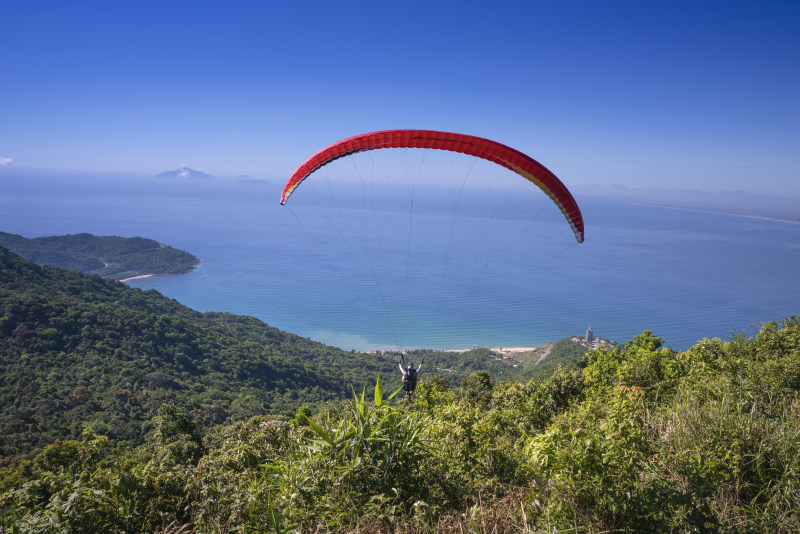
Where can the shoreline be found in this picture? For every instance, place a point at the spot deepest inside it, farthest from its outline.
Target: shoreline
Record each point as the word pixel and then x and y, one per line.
pixel 513 351
pixel 123 280
pixel 505 351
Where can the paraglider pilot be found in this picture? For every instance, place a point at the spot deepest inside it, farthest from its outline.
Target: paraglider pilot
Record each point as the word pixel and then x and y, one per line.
pixel 409 375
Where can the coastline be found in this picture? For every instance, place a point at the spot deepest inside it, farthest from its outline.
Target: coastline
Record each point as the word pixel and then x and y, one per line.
pixel 135 277
pixel 513 351
pixel 505 351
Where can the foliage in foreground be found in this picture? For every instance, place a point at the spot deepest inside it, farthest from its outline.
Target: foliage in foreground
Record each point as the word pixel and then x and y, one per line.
pixel 640 439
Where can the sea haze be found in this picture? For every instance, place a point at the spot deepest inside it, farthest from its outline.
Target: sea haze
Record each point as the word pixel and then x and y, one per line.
pixel 440 267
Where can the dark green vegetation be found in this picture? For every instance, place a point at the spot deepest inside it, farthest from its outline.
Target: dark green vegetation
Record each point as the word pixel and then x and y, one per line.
pixel 540 362
pixel 106 256
pixel 78 351
pixel 546 359
pixel 636 438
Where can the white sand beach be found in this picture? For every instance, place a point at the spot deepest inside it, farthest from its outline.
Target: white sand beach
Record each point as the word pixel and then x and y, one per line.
pixel 513 351
pixel 135 277
pixel 505 351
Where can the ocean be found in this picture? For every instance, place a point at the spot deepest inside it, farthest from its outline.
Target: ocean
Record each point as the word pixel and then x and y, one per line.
pixel 365 265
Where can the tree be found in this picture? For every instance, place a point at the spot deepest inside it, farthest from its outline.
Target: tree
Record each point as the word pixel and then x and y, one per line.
pixel 477 388
pixel 174 436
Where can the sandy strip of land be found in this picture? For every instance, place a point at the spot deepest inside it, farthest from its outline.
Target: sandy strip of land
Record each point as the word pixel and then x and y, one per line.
pixel 512 351
pixel 136 277
pixel 505 351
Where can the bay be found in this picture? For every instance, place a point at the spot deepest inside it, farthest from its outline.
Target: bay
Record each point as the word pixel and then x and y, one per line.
pixel 370 275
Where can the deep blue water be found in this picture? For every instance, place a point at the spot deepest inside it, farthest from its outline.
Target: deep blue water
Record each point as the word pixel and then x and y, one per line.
pixel 366 271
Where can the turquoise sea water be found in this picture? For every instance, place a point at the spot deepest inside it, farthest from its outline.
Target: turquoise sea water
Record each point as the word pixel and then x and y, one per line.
pixel 369 272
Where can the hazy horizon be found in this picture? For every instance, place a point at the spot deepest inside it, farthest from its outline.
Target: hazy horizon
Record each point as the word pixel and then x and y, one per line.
pixel 681 95
pixel 609 191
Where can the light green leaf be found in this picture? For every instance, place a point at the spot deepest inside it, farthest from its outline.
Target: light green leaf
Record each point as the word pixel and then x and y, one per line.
pixel 378 393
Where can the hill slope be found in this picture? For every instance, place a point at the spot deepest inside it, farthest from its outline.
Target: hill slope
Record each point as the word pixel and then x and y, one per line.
pixel 79 350
pixel 640 438
pixel 544 360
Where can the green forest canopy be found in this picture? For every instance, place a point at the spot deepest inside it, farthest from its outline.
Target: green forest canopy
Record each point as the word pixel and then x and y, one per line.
pixel 638 439
pixel 78 351
pixel 106 256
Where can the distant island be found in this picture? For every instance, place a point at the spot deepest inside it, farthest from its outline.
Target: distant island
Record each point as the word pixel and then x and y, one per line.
pixel 184 172
pixel 119 258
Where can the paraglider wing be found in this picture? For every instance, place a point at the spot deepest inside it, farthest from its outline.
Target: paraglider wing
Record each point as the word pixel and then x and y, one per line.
pixel 509 158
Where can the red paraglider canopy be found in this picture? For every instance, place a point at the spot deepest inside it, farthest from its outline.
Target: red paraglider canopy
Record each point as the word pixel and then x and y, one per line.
pixel 465 144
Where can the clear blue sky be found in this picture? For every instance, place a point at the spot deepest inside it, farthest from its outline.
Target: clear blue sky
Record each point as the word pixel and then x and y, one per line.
pixel 701 94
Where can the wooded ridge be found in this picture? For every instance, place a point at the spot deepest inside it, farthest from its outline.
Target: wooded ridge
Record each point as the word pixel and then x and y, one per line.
pixel 107 256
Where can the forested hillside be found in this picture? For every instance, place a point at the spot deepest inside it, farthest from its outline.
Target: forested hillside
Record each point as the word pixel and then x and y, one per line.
pixel 640 439
pixel 106 256
pixel 78 350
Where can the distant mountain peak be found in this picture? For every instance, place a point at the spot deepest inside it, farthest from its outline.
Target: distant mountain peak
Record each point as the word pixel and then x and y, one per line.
pixel 184 172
